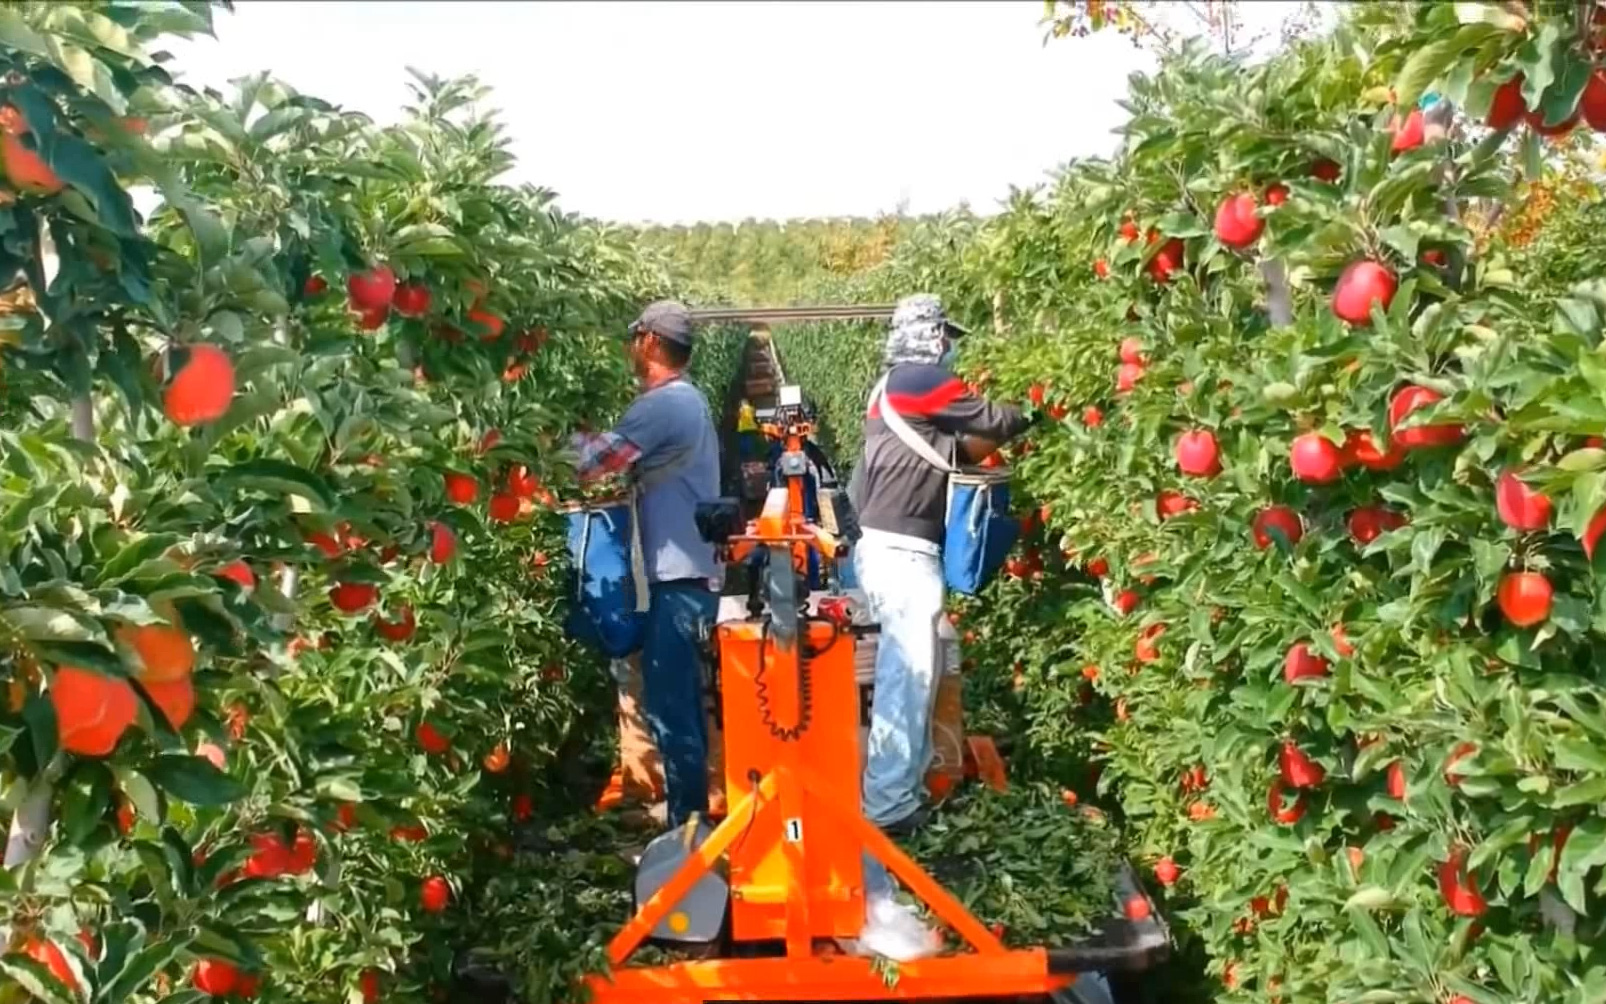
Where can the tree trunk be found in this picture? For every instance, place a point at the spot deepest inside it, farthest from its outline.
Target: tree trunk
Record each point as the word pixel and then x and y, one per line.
pixel 30 825
pixel 1279 301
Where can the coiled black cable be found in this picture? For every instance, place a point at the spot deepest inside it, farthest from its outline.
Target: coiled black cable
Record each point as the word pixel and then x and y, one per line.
pixel 805 681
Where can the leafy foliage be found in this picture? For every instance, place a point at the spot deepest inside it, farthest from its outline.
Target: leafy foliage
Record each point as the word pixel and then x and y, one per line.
pixel 374 687
pixel 770 262
pixel 1439 730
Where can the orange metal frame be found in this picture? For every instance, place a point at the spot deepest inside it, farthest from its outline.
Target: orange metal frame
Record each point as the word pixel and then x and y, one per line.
pixel 795 837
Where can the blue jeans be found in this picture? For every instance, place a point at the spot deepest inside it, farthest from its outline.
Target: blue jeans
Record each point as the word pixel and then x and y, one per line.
pixel 904 588
pixel 672 690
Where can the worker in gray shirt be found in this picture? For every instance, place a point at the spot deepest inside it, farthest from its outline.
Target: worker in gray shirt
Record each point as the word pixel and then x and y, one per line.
pixel 667 442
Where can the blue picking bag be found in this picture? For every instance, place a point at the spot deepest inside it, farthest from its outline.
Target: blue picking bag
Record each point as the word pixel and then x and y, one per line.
pixel 979 531
pixel 610 587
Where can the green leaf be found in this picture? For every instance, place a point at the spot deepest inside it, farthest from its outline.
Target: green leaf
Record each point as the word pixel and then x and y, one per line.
pixel 277 477
pixel 1583 793
pixel 1425 544
pixel 37 980
pixel 81 165
pixel 85 794
pixel 1587 459
pixel 1537 57
pixel 1562 99
pixel 193 779
pixel 1580 754
pixel 138 789
pixel 140 968
pixel 45 624
pixel 1369 897
pixel 1533 154
pixel 15 33
pixel 420 233
pixel 1429 62
pixel 1584 850
pixel 1403 239
pixel 135 554
pixel 211 236
pixel 40 717
pixel 1497 14
pixel 1370 932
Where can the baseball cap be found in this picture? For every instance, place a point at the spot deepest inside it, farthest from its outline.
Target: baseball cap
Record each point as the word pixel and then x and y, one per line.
pixel 923 308
pixel 666 319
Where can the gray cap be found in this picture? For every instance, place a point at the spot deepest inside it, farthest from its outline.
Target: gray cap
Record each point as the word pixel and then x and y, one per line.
pixel 925 309
pixel 666 319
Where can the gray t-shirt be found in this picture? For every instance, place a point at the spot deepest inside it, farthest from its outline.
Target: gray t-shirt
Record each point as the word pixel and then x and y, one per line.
pixel 678 468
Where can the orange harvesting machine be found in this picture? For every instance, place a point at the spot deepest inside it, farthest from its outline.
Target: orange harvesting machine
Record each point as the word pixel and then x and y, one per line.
pixel 759 902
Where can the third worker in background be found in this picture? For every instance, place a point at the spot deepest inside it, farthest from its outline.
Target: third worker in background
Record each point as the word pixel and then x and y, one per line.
pixel 902 504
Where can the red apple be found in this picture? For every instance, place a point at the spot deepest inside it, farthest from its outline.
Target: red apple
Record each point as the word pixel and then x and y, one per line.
pixel 1412 398
pixel 1127 377
pixel 1519 506
pixel 1172 503
pixel 411 300
pixel 1237 225
pixel 1536 122
pixel 1368 523
pixel 1597 526
pixel 352 597
pixel 461 488
pixel 1360 449
pixel 1592 105
pixel 1302 664
pixel 1524 598
pixel 1508 106
pixel 1197 454
pixel 1396 781
pixel 1167 260
pixel 1459 887
pixel 1341 641
pixel 1409 134
pixel 1277 518
pixel 1315 459
pixel 373 289
pixel 1361 285
pixel 1166 871
pixel 1297 769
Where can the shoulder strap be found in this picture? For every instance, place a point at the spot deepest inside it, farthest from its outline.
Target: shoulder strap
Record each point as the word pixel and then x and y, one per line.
pixel 909 437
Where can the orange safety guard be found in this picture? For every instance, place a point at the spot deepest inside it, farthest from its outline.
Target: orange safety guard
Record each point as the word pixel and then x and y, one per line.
pixel 761 868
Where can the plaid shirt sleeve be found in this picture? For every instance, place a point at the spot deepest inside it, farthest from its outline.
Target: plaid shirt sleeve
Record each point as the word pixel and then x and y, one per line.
pixel 603 455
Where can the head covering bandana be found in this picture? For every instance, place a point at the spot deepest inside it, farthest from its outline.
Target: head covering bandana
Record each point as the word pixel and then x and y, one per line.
pixel 919 329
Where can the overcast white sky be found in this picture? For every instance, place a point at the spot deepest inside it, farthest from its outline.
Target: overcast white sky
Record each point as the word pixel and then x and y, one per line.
pixel 675 112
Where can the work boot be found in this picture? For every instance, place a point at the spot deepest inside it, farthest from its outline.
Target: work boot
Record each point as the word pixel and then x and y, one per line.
pixel 904 828
pixel 894 931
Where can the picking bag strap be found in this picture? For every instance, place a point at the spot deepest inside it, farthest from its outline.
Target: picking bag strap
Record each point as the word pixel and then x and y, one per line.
pixel 905 434
pixel 638 560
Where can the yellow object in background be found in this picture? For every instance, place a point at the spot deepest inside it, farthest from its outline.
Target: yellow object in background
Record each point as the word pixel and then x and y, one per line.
pixel 746 420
